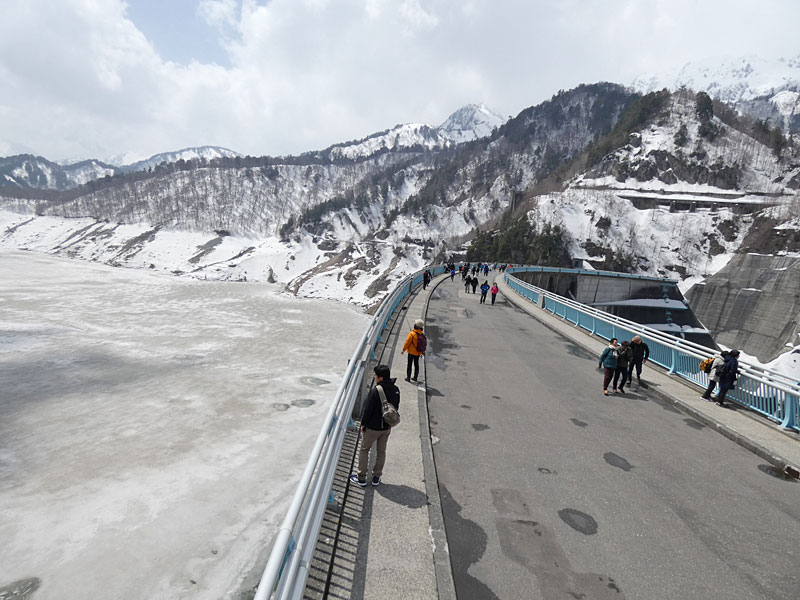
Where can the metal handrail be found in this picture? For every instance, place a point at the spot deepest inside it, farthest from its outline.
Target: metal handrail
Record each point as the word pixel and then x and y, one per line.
pixel 592 272
pixel 765 391
pixel 286 570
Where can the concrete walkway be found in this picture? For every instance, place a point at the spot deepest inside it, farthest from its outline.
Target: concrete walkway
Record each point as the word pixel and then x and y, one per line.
pixel 746 428
pixel 390 540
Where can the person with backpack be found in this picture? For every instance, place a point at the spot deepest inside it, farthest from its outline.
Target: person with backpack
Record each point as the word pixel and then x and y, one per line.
pixel 608 360
pixel 640 352
pixel 426 278
pixel 713 376
pixel 623 358
pixel 727 375
pixel 474 283
pixel 494 291
pixel 374 428
pixel 416 343
pixel 484 291
pixel 467 283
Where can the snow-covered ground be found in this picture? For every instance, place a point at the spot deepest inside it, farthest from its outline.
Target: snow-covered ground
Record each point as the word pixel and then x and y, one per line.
pixel 153 428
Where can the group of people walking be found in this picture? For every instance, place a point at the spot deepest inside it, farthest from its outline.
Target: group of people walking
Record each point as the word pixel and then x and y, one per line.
pixel 472 282
pixel 619 361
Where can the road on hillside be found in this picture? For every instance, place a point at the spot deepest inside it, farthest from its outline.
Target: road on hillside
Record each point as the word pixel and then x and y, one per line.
pixel 552 490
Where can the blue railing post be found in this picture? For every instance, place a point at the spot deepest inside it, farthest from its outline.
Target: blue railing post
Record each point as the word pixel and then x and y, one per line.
pixel 789 403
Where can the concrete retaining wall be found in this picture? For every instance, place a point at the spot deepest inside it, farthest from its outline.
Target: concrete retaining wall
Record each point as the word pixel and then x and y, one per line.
pixel 753 304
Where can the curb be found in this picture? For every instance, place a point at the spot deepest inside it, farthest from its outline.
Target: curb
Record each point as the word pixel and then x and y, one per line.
pixel 445 584
pixel 785 465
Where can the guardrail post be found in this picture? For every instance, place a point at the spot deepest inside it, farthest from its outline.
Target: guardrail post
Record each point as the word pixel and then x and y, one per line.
pixel 788 412
pixel 674 359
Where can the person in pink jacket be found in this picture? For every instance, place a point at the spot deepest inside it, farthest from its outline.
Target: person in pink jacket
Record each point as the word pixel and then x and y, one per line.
pixel 494 291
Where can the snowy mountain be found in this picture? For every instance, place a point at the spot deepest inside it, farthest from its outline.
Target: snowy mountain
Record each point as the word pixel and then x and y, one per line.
pixel 201 153
pixel 468 123
pixel 761 88
pixel 729 79
pixel 36 172
pixel 29 171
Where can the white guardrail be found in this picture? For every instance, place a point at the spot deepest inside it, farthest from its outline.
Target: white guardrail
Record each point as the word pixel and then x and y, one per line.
pixel 286 572
pixel 765 391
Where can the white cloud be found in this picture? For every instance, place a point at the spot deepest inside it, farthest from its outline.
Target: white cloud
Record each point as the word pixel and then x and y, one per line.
pixel 220 14
pixel 79 78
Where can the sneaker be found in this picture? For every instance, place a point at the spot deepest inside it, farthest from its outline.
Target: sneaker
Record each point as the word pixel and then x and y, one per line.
pixel 413 379
pixel 375 481
pixel 614 390
pixel 408 379
pixel 621 390
pixel 354 478
pixel 605 392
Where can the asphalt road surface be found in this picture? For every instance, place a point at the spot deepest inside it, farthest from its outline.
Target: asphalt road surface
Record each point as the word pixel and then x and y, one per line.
pixel 551 490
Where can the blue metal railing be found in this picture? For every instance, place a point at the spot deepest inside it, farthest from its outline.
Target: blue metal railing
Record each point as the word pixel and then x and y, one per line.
pixel 767 392
pixel 286 572
pixel 534 269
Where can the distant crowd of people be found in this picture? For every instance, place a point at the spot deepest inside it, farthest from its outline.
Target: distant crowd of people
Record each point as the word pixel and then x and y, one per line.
pixel 469 276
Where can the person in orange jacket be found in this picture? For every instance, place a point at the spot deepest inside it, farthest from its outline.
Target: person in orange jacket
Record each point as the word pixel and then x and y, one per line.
pixel 416 344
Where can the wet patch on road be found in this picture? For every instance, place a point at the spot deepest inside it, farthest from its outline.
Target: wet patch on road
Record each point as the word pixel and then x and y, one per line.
pixel 579 423
pixel 440 339
pixel 534 546
pixel 303 402
pixel 497 397
pixel 615 460
pixel 314 381
pixel 480 427
pixel 546 471
pixel 467 541
pixel 20 590
pixel 432 391
pixel 579 352
pixel 467 406
pixel 280 406
pixel 509 502
pixel 694 424
pixel 775 472
pixel 668 406
pixel 579 521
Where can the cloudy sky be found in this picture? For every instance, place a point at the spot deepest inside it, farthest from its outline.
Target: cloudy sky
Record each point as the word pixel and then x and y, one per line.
pixel 101 78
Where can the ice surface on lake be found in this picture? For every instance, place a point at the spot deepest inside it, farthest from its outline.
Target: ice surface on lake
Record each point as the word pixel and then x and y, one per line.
pixel 153 428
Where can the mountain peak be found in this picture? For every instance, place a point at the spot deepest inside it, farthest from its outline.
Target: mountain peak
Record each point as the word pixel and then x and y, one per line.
pixel 471 122
pixel 729 78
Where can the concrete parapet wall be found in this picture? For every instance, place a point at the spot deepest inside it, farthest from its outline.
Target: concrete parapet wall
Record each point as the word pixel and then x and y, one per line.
pixel 752 304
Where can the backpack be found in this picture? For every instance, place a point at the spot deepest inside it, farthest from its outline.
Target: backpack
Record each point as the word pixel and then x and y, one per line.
pixel 390 415
pixel 422 342
pixel 705 365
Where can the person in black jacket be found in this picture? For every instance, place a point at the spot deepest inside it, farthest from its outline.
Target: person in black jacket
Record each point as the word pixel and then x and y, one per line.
pixel 373 428
pixel 640 352
pixel 727 375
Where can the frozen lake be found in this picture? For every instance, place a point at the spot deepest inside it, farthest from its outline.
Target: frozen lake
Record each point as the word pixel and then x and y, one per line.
pixel 152 428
